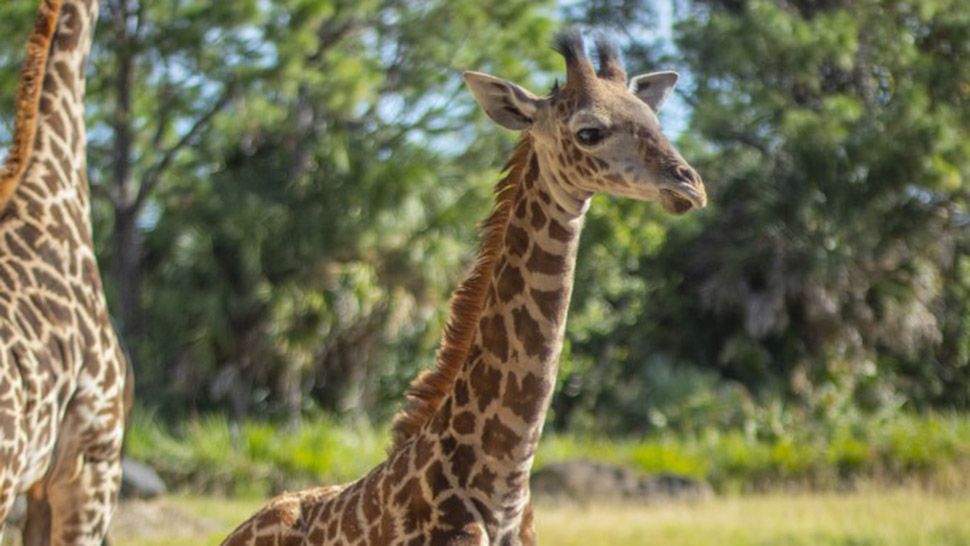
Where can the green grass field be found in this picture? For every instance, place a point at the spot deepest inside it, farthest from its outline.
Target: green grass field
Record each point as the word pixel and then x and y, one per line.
pixel 212 456
pixel 898 518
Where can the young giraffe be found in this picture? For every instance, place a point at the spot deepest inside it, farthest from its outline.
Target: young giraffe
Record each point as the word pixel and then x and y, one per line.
pixel 458 470
pixel 64 380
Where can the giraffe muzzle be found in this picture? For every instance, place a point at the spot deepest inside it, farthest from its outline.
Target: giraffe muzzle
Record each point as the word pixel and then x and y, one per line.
pixel 685 190
pixel 682 197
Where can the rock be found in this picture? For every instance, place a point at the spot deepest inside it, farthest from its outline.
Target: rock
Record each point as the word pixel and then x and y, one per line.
pixel 669 486
pixel 583 480
pixel 138 480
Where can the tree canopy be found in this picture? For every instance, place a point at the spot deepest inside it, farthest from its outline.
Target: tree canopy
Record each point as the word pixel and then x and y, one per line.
pixel 286 192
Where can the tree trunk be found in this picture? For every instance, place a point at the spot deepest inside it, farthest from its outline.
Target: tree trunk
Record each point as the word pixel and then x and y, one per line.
pixel 126 264
pixel 126 242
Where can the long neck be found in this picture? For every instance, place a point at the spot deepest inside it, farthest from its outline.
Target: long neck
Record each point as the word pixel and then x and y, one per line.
pixel 504 388
pixel 56 176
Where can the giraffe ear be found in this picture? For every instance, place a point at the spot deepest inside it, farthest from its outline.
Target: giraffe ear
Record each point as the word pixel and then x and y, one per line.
pixel 507 104
pixel 654 88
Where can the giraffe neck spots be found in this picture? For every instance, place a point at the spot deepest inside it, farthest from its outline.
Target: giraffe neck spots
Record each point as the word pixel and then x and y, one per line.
pixel 464 474
pixel 486 432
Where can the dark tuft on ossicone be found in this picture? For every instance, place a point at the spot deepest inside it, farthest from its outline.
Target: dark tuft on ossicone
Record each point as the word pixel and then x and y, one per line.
pixel 569 44
pixel 608 56
pixel 606 50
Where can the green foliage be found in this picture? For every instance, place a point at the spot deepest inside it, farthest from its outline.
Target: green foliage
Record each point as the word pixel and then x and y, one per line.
pixel 256 459
pixel 835 153
pixel 297 251
pixel 311 266
pixel 830 268
pixel 933 450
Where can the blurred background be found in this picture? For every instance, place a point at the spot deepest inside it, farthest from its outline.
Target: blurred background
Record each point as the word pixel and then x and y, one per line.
pixel 286 193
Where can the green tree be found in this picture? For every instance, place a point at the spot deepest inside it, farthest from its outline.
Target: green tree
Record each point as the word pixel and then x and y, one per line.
pixel 840 149
pixel 286 194
pixel 286 191
pixel 831 267
pixel 160 73
pixel 311 266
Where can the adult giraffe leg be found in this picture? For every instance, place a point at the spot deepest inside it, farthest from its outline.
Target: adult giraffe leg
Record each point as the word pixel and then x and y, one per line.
pixel 527 532
pixel 81 508
pixel 13 435
pixel 74 504
pixel 11 465
pixel 37 527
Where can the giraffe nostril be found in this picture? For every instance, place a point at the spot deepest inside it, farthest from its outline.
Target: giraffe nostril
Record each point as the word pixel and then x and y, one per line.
pixel 695 178
pixel 686 184
pixel 685 175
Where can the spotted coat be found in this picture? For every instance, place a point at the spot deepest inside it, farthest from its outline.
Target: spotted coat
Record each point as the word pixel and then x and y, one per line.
pixel 64 382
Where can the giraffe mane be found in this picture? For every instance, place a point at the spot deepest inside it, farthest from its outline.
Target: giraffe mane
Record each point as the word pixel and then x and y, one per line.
pixel 28 99
pixel 430 388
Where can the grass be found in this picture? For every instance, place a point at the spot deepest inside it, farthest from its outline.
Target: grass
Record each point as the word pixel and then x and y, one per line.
pixel 255 459
pixel 925 458
pixel 900 518
pixel 931 450
pixel 896 518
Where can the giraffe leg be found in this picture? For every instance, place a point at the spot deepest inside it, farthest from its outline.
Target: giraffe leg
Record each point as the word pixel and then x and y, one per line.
pixel 11 462
pixel 79 506
pixel 37 527
pixel 13 443
pixel 527 532
pixel 8 491
pixel 74 503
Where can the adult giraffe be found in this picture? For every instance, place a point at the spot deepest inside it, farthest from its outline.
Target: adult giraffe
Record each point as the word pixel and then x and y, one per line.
pixel 64 381
pixel 458 471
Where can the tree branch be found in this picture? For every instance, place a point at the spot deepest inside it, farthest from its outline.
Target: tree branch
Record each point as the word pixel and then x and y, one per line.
pixel 164 108
pixel 747 140
pixel 139 20
pixel 154 173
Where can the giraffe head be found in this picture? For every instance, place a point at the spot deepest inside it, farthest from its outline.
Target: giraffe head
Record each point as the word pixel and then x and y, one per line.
pixel 598 132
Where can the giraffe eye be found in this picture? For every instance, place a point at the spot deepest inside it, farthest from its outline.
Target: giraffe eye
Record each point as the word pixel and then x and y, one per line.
pixel 589 136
